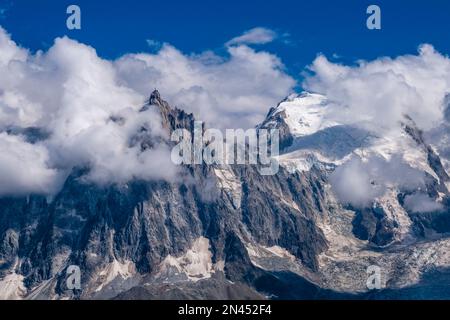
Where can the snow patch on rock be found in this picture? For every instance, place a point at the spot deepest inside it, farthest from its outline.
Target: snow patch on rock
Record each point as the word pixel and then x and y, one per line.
pixel 258 251
pixel 115 270
pixel 12 287
pixel 194 265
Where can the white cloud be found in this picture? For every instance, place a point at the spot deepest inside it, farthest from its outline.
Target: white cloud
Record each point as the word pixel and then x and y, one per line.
pixel 254 36
pixel 233 92
pixel 420 202
pixel 24 168
pixel 73 94
pixel 377 95
pixel 353 185
pixel 382 91
pixel 359 182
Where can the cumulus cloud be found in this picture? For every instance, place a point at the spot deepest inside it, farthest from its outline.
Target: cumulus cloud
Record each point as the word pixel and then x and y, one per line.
pixel 24 168
pixel 73 95
pixel 90 108
pixel 382 91
pixel 254 36
pixel 420 202
pixel 232 92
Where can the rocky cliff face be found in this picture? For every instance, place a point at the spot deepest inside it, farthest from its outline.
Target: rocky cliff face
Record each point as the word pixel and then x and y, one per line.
pixel 226 231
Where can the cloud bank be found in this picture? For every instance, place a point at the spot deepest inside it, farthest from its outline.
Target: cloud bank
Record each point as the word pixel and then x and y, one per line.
pixel 382 91
pixel 72 94
pixel 233 92
pixel 88 107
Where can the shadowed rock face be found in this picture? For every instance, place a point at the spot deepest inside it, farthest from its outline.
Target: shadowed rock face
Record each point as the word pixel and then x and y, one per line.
pixel 372 224
pixel 434 160
pixel 277 121
pixel 431 221
pixel 146 221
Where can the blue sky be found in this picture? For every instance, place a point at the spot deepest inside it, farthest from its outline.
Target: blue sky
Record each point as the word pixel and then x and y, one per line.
pixel 306 28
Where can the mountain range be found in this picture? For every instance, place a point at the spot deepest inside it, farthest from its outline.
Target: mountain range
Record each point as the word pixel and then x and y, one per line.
pixel 347 196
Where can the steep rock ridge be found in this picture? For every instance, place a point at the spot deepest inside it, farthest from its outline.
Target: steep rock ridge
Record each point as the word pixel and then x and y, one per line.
pixel 434 161
pixel 439 220
pixel 281 210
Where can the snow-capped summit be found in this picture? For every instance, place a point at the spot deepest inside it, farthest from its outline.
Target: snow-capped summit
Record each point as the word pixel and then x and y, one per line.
pixel 298 115
pixel 308 128
pixel 304 113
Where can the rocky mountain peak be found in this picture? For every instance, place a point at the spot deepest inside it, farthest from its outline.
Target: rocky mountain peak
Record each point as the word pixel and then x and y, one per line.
pixel 172 118
pixel 297 115
pixel 155 97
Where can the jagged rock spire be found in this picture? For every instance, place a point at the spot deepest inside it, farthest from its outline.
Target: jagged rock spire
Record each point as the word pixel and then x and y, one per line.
pixel 172 118
pixel 155 98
